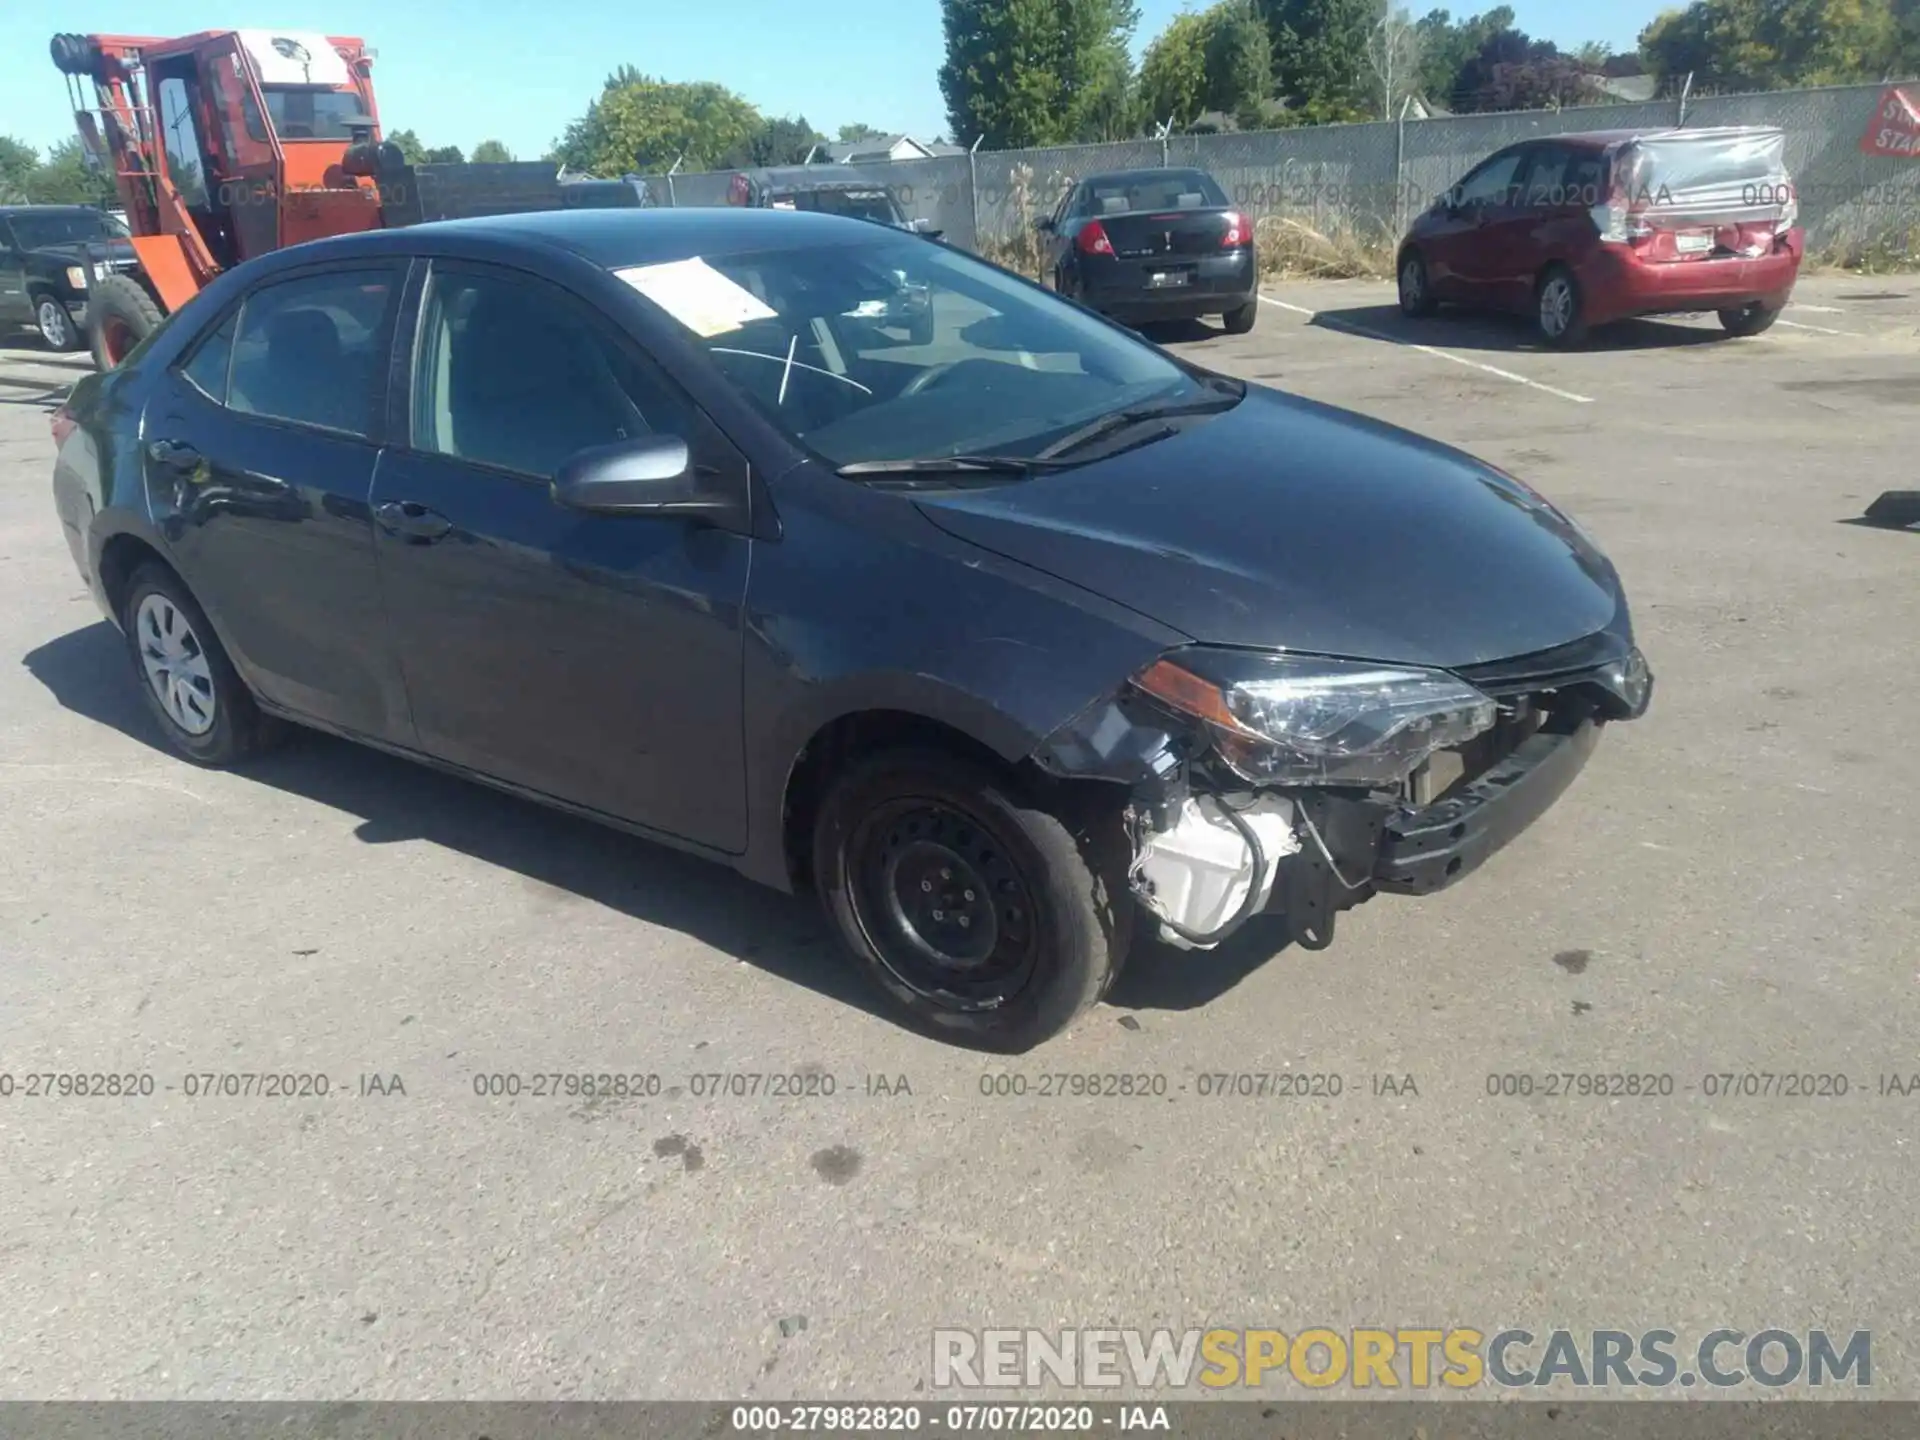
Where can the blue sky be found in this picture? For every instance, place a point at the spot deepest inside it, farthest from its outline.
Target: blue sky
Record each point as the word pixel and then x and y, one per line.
pixel 507 70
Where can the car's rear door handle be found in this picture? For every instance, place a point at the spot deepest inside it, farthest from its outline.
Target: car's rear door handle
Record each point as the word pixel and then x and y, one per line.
pixel 412 521
pixel 175 454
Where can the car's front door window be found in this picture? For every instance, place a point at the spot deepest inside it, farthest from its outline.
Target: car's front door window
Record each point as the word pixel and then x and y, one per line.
pixel 515 374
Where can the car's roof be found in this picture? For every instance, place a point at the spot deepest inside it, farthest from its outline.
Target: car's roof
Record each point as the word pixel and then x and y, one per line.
pixel 615 238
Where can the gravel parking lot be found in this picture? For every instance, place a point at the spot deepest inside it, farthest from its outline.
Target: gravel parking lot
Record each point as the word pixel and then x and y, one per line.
pixel 1730 888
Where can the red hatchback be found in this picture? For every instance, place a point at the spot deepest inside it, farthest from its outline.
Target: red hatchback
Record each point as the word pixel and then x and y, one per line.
pixel 1580 230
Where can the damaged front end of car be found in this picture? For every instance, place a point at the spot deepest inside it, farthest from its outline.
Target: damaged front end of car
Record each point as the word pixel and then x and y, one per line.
pixel 1302 785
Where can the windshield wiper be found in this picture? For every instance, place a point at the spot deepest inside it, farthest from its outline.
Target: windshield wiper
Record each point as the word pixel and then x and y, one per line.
pixel 1136 415
pixel 948 464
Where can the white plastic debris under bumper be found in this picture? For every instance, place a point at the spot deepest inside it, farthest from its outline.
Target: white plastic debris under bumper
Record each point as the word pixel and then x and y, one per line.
pixel 1197 873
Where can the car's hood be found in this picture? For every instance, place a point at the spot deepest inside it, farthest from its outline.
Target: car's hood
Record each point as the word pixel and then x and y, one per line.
pixel 1289 524
pixel 74 252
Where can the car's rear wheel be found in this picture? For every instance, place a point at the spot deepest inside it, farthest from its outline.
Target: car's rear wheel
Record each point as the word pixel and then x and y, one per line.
pixel 987 919
pixel 55 325
pixel 1559 308
pixel 1239 321
pixel 203 707
pixel 1416 293
pixel 121 314
pixel 1749 319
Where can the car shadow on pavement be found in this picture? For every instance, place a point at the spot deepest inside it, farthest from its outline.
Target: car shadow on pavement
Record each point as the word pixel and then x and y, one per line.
pixel 1159 976
pixel 1513 334
pixel 561 857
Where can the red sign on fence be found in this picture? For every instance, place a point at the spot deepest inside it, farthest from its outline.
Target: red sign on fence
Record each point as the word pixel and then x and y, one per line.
pixel 1895 127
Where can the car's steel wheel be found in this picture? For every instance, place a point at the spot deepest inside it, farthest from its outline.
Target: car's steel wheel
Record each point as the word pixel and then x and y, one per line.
pixel 942 904
pixel 1413 283
pixel 56 326
pixel 1557 303
pixel 176 664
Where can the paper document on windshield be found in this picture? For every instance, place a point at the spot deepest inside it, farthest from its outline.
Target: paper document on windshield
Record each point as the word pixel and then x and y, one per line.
pixel 697 295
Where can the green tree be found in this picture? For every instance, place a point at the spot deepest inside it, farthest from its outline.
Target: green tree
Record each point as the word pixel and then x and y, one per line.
pixel 1035 72
pixel 65 178
pixel 1318 50
pixel 444 155
pixel 491 152
pixel 410 146
pixel 18 161
pixel 778 141
pixel 1769 44
pixel 647 125
pixel 849 133
pixel 1173 71
pixel 1446 47
pixel 1239 62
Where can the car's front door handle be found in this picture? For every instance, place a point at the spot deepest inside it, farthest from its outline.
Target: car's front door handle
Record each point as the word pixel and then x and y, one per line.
pixel 412 521
pixel 174 454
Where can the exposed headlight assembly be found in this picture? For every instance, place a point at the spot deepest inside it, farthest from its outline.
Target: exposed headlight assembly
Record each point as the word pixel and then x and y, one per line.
pixel 1293 720
pixel 77 276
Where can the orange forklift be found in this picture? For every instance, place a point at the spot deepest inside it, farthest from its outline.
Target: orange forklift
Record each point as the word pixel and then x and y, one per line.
pixel 229 143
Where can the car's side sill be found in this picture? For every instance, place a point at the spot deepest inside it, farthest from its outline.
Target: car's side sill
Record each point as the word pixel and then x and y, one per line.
pixel 492 782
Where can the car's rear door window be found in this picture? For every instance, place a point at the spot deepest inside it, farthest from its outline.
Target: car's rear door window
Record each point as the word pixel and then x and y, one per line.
pixel 311 350
pixel 206 367
pixel 515 373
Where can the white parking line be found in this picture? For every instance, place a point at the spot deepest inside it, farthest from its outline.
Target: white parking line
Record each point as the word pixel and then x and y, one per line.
pixel 1817 329
pixel 1823 309
pixel 1372 334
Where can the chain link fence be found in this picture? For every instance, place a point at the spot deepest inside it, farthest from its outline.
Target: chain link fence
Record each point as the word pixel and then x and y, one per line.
pixel 1367 181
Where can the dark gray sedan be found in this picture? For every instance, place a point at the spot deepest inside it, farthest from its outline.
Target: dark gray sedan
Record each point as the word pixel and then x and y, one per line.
pixel 1001 643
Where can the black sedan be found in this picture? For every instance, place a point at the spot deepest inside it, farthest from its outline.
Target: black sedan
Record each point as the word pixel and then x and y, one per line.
pixel 998 644
pixel 1147 245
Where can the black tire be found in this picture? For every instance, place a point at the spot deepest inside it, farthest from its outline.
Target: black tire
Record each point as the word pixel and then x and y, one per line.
pixel 120 314
pixel 1563 326
pixel 1052 903
pixel 1749 319
pixel 1240 321
pixel 1416 302
pixel 239 728
pixel 54 322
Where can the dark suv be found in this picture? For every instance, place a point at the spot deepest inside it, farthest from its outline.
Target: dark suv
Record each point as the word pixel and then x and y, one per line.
pixel 44 255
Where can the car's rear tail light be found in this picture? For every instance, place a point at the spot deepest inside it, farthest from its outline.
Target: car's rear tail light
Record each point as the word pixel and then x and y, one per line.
pixel 1092 239
pixel 739 191
pixel 1239 231
pixel 63 424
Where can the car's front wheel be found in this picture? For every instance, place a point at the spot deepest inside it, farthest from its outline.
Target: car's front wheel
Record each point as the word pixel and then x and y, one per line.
pixel 987 919
pixel 203 707
pixel 1749 319
pixel 55 325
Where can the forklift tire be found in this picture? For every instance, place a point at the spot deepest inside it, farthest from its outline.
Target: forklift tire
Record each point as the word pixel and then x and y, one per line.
pixel 120 314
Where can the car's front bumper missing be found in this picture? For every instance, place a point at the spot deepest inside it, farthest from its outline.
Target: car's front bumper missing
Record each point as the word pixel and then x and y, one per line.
pixel 1428 849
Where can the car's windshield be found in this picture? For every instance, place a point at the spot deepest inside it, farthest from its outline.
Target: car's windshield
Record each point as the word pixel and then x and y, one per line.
pixel 307 114
pixel 1155 190
pixel 901 348
pixel 65 228
pixel 855 204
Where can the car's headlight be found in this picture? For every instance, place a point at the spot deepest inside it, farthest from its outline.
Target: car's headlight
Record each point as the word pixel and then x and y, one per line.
pixel 1291 720
pixel 77 276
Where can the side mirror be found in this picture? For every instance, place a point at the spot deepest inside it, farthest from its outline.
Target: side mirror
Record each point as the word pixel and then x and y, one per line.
pixel 1044 225
pixel 654 475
